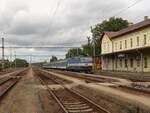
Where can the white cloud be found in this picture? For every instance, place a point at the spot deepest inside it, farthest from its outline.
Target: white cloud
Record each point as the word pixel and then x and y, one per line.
pixel 59 22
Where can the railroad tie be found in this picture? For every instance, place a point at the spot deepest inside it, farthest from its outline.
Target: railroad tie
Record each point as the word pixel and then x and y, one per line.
pixel 77 107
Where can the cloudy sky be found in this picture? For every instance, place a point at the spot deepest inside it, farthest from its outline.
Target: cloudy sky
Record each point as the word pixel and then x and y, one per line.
pixel 59 22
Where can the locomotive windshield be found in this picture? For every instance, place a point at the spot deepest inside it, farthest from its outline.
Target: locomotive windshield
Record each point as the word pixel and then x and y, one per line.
pixel 89 60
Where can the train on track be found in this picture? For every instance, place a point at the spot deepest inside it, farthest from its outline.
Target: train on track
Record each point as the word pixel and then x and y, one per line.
pixel 77 64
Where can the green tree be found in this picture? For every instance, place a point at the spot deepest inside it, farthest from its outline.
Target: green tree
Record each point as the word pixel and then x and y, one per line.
pixel 113 24
pixel 54 58
pixel 20 63
pixel 87 50
pixel 74 52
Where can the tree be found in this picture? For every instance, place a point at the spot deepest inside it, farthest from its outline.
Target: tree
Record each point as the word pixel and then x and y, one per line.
pixel 54 58
pixel 74 52
pixel 87 50
pixel 113 24
pixel 20 63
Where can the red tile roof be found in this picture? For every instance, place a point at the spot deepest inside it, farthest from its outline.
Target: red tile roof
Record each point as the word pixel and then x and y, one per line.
pixel 110 34
pixel 131 28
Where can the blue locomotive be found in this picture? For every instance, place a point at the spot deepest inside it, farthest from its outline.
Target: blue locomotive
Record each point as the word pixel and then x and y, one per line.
pixel 78 64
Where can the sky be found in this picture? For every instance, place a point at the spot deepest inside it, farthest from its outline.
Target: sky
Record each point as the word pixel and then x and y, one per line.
pixel 58 23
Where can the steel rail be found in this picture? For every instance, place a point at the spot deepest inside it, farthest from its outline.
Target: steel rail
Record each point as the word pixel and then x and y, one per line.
pixel 53 95
pixel 86 78
pixel 96 106
pixel 14 81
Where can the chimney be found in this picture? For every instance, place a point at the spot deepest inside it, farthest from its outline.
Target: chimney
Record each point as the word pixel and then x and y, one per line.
pixel 145 17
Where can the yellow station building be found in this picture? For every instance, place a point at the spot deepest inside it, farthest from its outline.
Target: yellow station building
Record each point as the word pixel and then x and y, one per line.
pixel 127 49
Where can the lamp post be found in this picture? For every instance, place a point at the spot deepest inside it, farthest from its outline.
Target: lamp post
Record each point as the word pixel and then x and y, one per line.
pixel 94 53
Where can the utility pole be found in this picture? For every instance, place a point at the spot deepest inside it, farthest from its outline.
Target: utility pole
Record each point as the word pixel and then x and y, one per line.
pixel 3 63
pixel 15 60
pixel 10 57
pixel 94 53
pixel 88 40
pixel 89 49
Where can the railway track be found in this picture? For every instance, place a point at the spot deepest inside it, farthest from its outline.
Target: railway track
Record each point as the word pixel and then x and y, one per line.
pixel 71 101
pixel 6 84
pixel 87 78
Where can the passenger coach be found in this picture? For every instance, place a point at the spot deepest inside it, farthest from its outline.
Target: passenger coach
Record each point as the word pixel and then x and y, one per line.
pixel 79 64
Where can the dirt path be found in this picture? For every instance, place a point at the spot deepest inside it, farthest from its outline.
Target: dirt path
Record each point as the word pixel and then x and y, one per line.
pixel 137 99
pixel 23 98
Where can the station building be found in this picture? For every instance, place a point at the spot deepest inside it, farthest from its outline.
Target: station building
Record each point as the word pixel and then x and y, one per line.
pixel 127 49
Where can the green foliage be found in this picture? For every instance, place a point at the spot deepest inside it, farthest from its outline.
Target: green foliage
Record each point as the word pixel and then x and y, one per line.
pixel 74 52
pixel 113 24
pixel 54 58
pixel 6 64
pixel 87 49
pixel 20 63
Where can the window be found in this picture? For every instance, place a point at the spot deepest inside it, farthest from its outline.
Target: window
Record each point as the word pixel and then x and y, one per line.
pixel 126 63
pixel 120 62
pixel 145 40
pixel 120 44
pixel 125 43
pixel 137 39
pixel 131 42
pixel 131 62
pixel 145 62
pixel 116 45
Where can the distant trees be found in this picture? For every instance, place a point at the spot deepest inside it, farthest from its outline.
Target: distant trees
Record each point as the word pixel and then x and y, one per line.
pixel 74 52
pixel 20 63
pixel 53 58
pixel 113 24
pixel 6 64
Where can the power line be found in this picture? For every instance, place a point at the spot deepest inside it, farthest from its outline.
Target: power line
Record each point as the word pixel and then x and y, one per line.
pixel 34 55
pixel 48 47
pixel 128 7
pixel 53 14
pixel 123 10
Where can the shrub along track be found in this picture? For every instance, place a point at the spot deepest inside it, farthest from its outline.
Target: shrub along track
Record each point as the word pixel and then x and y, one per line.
pixel 71 101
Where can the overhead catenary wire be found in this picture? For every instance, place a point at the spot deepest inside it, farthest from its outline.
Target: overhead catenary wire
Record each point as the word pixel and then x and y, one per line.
pixel 122 10
pixel 128 7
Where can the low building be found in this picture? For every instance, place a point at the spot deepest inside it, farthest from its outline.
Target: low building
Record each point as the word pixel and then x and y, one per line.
pixel 127 49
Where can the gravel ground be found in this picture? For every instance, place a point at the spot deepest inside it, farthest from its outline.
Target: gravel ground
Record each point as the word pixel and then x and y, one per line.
pixel 114 105
pixel 111 93
pixel 28 96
